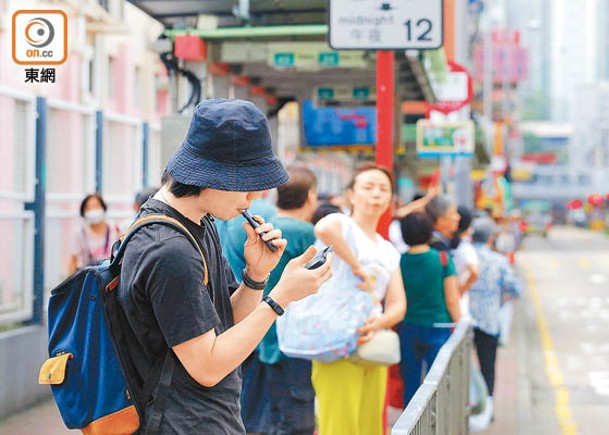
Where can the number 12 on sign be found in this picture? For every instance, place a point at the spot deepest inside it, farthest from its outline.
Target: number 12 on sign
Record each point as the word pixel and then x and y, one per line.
pixel 422 29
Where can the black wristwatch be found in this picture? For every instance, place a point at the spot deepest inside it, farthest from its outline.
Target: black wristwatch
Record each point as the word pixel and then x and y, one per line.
pixel 274 305
pixel 254 285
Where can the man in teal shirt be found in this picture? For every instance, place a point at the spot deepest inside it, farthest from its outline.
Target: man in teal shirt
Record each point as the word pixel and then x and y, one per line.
pixel 288 380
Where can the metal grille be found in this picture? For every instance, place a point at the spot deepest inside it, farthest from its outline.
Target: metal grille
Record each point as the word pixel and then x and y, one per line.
pixel 70 163
pixel 440 406
pixel 16 188
pixel 16 233
pixel 155 161
pixel 122 160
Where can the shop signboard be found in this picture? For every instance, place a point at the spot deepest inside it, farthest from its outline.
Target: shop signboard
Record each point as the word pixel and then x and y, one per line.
pixel 436 139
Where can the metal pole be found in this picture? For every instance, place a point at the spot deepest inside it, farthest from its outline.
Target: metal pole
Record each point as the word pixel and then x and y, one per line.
pixel 38 207
pixel 145 145
pixel 99 155
pixel 385 88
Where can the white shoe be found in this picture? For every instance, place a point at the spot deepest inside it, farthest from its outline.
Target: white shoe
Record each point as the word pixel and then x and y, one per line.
pixel 480 422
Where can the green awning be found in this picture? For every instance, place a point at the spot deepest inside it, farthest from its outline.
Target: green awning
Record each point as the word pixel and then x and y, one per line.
pixel 319 30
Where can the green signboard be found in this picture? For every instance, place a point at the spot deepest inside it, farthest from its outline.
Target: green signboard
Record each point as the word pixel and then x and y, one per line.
pixel 283 59
pixel 325 93
pixel 361 93
pixel 329 59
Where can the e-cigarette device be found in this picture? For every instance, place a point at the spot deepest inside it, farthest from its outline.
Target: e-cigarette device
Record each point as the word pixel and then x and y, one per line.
pixel 248 216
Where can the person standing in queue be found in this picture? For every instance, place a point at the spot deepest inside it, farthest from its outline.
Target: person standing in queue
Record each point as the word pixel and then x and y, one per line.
pixel 224 163
pixel 351 395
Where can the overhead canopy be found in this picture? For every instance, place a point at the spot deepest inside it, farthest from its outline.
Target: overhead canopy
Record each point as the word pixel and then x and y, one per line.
pixel 185 13
pixel 247 34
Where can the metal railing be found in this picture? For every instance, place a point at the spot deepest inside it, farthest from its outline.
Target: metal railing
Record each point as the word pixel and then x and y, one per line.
pixel 440 406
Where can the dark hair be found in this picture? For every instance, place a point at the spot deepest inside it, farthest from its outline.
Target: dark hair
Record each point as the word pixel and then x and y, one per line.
pixel 178 189
pixel 142 196
pixel 370 167
pixel 83 203
pixel 466 219
pixel 416 228
pixel 293 194
pixel 324 210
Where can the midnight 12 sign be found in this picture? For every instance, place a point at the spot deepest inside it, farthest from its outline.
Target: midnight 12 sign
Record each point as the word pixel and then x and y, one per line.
pixel 385 25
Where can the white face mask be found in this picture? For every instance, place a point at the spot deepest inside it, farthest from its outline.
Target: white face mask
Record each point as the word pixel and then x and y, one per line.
pixel 95 216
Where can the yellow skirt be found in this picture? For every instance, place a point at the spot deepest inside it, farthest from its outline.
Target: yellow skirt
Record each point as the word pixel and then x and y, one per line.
pixel 351 397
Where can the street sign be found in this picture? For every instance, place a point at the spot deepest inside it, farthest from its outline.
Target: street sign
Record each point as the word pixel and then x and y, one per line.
pixel 436 139
pixel 386 24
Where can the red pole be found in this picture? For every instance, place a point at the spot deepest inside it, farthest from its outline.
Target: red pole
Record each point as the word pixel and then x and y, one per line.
pixel 385 89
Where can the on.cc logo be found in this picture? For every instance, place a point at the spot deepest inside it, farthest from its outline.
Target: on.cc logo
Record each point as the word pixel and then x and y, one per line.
pixel 39 32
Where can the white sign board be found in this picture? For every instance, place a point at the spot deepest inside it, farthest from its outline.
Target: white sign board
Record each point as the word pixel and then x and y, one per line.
pixel 386 24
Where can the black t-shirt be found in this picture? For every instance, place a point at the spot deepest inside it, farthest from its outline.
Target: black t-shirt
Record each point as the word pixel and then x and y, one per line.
pixel 166 303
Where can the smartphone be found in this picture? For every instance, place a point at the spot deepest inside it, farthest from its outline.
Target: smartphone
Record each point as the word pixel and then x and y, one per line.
pixel 319 259
pixel 248 217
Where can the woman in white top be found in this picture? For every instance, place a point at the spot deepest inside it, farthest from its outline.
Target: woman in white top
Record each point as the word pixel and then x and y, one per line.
pixel 465 257
pixel 351 396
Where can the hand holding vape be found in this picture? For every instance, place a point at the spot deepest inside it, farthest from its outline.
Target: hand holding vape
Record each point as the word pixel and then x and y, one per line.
pixel 319 259
pixel 248 216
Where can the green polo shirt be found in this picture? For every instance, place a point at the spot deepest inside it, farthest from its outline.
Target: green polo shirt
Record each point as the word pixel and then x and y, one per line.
pixel 423 276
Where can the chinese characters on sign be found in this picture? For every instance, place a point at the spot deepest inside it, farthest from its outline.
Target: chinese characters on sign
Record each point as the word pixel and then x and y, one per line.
pixel 40 75
pixel 385 25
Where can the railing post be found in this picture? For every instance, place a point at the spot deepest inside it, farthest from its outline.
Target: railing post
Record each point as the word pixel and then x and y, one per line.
pixel 38 207
pixel 99 150
pixel 145 145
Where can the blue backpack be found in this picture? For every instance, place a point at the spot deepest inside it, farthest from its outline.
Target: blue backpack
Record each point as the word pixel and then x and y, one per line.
pixel 94 381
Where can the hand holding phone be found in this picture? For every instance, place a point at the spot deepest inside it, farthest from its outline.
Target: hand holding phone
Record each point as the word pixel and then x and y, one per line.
pixel 248 217
pixel 319 259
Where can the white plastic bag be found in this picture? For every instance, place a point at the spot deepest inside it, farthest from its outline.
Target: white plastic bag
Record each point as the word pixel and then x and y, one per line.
pixel 323 326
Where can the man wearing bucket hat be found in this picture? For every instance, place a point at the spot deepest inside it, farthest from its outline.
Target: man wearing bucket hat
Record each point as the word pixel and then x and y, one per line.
pixel 225 162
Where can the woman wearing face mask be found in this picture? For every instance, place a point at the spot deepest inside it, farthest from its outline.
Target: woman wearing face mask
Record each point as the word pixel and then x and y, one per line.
pixel 352 395
pixel 93 240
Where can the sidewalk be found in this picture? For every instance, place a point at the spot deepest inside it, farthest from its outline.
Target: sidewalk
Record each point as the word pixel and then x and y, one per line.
pixel 524 402
pixel 42 419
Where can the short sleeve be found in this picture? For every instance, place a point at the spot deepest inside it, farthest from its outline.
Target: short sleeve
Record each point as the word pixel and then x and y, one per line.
pixel 510 283
pixel 393 256
pixel 172 274
pixel 450 269
pixel 469 255
pixel 231 280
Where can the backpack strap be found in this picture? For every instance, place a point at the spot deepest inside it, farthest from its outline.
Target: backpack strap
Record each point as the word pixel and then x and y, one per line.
pixel 444 258
pixel 153 422
pixel 162 220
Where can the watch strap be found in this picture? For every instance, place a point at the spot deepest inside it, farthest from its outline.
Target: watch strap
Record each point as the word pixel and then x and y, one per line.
pixel 274 305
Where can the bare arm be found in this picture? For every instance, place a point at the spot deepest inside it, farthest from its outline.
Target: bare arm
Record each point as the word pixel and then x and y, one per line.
pixel 473 272
pixel 260 261
pixel 417 205
pixel 72 264
pixel 452 296
pixel 208 358
pixel 394 312
pixel 330 231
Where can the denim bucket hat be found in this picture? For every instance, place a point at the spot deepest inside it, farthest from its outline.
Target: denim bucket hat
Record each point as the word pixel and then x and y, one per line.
pixel 228 147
